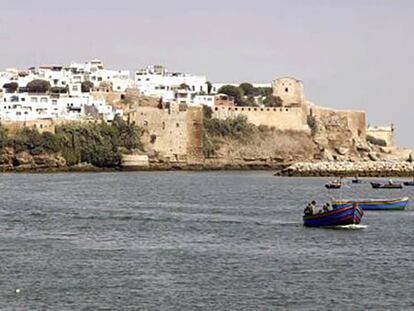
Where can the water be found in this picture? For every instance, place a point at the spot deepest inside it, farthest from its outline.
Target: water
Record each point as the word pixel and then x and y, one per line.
pixel 195 241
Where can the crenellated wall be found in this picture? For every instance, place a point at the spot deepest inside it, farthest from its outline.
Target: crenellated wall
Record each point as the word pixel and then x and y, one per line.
pixel 281 118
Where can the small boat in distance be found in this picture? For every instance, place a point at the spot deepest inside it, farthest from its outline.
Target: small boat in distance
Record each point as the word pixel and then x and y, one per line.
pixel 409 183
pixel 375 204
pixel 356 180
pixel 389 185
pixel 349 214
pixel 336 184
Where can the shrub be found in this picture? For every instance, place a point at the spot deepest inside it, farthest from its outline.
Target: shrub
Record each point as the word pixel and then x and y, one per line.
pixel 59 90
pixel 86 86
pixel 237 127
pixel 376 141
pixel 11 87
pixel 38 86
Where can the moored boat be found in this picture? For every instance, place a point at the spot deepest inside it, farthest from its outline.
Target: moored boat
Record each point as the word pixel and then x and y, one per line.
pixel 409 183
pixel 333 185
pixel 389 185
pixel 375 204
pixel 349 214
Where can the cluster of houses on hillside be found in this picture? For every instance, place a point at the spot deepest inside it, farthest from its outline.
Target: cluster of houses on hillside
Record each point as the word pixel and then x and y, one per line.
pixel 73 90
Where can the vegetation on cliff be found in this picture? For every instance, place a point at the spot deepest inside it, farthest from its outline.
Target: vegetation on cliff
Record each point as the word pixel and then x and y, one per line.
pixel 235 138
pixel 98 144
pixel 247 95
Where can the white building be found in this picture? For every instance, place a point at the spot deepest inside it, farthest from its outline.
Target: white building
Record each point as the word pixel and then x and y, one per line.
pixel 28 107
pixel 158 82
pixel 206 100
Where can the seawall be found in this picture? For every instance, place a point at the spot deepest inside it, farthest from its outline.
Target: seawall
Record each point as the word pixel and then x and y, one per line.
pixel 361 169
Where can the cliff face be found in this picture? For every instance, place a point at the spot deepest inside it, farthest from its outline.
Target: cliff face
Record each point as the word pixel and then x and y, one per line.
pixel 265 148
pixel 11 160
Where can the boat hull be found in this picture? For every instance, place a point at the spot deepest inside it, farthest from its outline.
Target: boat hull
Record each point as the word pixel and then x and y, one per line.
pixel 376 205
pixel 386 186
pixel 350 214
pixel 409 183
pixel 332 186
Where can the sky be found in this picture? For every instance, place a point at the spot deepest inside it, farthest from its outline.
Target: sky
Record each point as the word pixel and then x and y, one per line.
pixel 350 54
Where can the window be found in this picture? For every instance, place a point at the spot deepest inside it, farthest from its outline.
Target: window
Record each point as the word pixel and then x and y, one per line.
pixel 286 90
pixel 18 113
pixel 23 99
pixel 33 99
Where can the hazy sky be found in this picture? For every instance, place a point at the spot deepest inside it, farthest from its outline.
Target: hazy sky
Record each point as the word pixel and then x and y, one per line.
pixel 349 54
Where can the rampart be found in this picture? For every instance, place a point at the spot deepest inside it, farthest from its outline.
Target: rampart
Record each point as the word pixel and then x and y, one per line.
pixel 356 119
pixel 280 118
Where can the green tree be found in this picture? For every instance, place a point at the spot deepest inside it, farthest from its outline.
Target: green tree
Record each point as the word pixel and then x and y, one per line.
pixel 273 101
pixel 209 87
pixel 248 89
pixel 58 90
pixel 233 91
pixel 86 86
pixel 184 86
pixel 38 86
pixel 11 87
pixel 129 134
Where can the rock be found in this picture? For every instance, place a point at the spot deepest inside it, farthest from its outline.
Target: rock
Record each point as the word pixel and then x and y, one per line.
pixel 360 146
pixel 45 161
pixel 372 156
pixel 385 150
pixel 342 150
pixel 23 158
pixel 6 158
pixel 326 155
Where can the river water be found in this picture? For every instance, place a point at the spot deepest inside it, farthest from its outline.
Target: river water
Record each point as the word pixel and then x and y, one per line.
pixel 195 241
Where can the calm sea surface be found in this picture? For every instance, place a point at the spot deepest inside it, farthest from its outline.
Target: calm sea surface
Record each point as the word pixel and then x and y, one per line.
pixel 195 241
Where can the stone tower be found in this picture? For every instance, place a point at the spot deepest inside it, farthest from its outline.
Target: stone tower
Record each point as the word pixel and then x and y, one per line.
pixel 290 90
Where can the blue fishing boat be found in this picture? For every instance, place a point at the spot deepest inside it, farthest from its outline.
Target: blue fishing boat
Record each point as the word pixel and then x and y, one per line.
pixel 349 214
pixel 375 204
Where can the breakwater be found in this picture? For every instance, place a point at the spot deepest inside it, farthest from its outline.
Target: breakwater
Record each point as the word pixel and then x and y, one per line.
pixel 362 169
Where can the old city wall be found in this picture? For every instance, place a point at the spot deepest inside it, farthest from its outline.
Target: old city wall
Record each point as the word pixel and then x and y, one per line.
pixel 356 119
pixel 174 133
pixel 280 118
pixel 44 125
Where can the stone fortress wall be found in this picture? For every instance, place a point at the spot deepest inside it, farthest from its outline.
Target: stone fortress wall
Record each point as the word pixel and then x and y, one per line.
pixel 281 118
pixel 356 119
pixel 174 131
pixel 295 110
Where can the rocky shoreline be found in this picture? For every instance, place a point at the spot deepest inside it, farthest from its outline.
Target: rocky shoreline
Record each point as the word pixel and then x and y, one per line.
pixel 361 169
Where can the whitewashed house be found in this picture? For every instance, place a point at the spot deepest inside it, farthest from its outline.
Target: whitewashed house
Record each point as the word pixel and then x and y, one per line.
pixel 156 81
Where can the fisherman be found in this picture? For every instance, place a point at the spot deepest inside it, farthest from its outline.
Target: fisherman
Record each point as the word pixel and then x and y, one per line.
pixel 325 207
pixel 328 207
pixel 308 211
pixel 313 208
